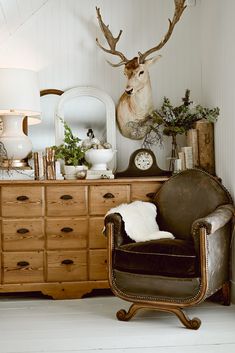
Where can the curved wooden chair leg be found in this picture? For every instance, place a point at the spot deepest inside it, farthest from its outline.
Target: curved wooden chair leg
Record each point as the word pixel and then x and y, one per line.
pixel 193 324
pixel 226 297
pixel 122 315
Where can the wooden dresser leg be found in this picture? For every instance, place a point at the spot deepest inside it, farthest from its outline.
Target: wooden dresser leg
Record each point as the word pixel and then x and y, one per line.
pixel 60 294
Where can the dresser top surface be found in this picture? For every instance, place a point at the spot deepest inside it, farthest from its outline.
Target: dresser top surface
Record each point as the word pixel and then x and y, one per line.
pixel 84 182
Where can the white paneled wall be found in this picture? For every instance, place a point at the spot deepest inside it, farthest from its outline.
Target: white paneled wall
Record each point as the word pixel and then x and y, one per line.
pixel 15 13
pixel 218 85
pixel 58 40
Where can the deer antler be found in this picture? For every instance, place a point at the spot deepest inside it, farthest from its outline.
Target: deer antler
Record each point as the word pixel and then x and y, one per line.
pixel 111 40
pixel 179 9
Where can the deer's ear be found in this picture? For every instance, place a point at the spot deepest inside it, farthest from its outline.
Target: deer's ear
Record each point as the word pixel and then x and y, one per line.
pixel 151 61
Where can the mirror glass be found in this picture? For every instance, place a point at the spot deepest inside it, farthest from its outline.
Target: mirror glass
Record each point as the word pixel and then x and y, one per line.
pixel 43 135
pixel 83 113
pixel 86 108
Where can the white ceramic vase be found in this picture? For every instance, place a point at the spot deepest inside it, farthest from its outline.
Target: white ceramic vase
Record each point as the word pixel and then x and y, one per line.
pixel 99 158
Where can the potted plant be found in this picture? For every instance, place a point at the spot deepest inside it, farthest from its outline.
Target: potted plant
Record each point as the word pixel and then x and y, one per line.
pixel 173 121
pixel 71 151
pixel 184 119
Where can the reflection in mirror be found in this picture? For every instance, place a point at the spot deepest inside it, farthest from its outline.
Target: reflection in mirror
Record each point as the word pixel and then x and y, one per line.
pixel 83 113
pixel 85 108
pixel 43 135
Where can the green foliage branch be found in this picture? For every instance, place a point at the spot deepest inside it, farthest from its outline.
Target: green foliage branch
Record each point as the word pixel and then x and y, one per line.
pixel 172 121
pixel 71 151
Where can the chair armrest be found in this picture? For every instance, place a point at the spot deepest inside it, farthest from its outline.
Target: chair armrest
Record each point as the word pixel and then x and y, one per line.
pixel 214 247
pixel 120 236
pixel 215 220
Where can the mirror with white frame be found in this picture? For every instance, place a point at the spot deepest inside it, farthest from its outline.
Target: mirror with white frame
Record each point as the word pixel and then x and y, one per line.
pixel 85 108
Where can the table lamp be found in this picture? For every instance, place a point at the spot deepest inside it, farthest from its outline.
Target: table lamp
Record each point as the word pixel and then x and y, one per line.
pixel 19 97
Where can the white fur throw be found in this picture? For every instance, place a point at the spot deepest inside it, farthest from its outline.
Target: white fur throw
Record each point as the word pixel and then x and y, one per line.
pixel 140 221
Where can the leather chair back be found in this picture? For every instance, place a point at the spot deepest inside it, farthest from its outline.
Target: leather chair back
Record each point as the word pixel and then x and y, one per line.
pixel 185 197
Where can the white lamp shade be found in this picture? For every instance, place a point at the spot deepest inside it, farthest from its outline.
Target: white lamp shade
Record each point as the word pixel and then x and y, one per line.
pixel 19 94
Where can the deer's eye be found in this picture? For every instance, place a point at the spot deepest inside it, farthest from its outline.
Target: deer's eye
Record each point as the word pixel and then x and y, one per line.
pixel 141 73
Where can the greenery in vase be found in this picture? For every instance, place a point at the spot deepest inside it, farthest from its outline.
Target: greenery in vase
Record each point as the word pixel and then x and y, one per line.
pixel 70 150
pixel 177 120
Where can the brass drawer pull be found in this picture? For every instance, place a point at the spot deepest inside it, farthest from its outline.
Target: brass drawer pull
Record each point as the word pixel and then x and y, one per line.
pixel 151 195
pixel 22 231
pixel 66 197
pixel 23 263
pixel 108 195
pixel 67 262
pixel 67 230
pixel 22 198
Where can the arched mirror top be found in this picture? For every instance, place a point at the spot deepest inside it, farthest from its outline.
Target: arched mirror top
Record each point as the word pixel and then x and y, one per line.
pixel 55 91
pixel 84 108
pixel 49 101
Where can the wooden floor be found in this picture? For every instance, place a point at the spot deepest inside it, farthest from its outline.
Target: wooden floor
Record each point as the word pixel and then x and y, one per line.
pixel 89 325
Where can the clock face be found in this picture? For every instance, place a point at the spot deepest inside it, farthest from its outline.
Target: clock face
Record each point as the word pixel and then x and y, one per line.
pixel 143 160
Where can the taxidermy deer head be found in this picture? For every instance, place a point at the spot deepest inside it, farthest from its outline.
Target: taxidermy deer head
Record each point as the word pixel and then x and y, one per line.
pixel 136 104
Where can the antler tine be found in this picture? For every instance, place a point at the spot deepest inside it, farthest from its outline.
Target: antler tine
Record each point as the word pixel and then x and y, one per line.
pixel 118 64
pixel 111 40
pixel 179 9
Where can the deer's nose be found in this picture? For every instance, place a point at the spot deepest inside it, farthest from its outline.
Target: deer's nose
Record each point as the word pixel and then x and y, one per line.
pixel 129 91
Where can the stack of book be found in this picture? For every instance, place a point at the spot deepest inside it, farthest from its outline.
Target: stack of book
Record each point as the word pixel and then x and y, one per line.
pixel 199 151
pixel 188 157
pixel 185 158
pixel 99 174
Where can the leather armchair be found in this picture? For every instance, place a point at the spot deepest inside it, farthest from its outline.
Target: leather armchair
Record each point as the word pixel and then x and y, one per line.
pixel 172 274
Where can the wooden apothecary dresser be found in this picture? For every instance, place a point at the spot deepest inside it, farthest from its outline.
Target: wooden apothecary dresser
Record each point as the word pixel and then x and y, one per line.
pixel 51 232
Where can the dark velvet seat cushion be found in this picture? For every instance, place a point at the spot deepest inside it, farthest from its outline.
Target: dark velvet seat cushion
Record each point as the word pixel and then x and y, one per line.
pixel 166 257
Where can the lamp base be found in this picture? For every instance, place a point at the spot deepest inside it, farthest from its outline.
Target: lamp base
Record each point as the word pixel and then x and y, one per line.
pixel 15 144
pixel 14 163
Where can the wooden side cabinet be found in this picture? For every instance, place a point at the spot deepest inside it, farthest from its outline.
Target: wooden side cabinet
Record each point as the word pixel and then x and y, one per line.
pixel 51 232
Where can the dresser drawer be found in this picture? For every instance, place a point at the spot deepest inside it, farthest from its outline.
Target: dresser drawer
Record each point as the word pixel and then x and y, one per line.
pixel 18 201
pixel 102 198
pixel 23 234
pixel 144 191
pixel 25 267
pixel 66 200
pixel 98 264
pixel 97 240
pixel 65 266
pixel 67 233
